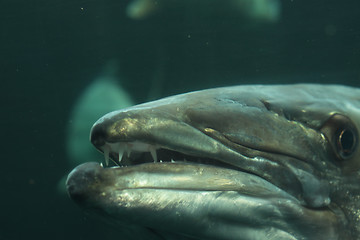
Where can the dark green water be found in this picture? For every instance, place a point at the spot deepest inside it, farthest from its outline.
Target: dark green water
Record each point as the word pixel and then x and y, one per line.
pixel 51 50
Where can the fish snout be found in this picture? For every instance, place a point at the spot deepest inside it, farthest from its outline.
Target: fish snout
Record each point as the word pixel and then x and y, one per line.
pixel 81 180
pixel 97 135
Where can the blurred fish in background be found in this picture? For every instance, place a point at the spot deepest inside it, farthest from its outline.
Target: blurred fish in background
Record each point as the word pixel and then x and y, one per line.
pixel 255 10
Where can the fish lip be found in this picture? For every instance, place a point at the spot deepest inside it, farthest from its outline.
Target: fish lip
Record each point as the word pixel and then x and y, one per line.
pixel 92 176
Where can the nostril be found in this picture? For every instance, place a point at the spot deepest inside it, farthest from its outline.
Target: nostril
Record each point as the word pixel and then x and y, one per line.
pixel 97 135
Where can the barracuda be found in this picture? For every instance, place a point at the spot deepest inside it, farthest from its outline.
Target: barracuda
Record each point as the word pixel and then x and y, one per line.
pixel 244 162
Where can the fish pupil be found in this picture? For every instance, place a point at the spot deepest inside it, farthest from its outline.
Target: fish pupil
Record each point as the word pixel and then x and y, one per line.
pixel 346 142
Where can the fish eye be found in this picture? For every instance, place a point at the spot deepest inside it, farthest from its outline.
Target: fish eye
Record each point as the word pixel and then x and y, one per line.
pixel 345 142
pixel 342 135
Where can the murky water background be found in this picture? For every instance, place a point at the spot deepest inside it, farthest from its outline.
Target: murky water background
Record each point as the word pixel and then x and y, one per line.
pixel 50 51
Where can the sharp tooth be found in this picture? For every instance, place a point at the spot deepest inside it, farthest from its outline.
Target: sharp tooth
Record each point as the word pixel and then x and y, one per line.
pixel 121 153
pixel 153 154
pixel 106 155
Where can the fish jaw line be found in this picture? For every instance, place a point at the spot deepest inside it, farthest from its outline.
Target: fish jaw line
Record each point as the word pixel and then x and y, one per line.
pixel 174 176
pixel 186 174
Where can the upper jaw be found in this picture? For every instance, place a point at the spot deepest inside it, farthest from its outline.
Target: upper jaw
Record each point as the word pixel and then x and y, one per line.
pixel 121 135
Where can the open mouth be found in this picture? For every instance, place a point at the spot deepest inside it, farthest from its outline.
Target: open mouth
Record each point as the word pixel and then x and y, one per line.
pixel 124 154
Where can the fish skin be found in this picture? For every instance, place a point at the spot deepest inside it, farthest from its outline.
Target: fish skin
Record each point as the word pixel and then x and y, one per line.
pixel 297 143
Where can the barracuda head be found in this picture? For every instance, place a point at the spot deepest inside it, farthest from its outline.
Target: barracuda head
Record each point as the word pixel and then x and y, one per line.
pixel 251 162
